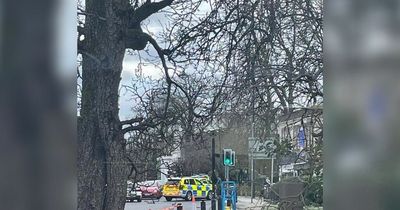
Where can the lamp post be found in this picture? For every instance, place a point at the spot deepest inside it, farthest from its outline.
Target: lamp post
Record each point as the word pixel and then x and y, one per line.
pixel 252 164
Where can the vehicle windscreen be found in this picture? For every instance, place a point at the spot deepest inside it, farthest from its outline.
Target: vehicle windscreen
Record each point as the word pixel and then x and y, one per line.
pixel 172 182
pixel 205 182
pixel 153 183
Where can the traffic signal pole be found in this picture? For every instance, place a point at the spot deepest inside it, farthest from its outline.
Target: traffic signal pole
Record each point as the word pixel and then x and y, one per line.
pixel 213 203
pixel 213 161
pixel 227 173
pixel 252 165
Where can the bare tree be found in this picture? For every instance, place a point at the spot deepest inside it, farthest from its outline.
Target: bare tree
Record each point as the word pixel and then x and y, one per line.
pixel 256 58
pixel 109 28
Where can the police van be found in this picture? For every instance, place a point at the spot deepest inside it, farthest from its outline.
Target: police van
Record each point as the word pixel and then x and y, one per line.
pixel 187 187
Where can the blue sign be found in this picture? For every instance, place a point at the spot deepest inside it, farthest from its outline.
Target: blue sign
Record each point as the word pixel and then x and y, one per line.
pixel 301 138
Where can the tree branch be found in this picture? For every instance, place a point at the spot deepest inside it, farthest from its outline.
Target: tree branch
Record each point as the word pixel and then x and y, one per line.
pixel 147 9
pixel 168 78
pixel 141 127
pixel 132 121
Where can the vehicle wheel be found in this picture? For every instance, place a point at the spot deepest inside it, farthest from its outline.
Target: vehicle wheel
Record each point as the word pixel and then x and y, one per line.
pixel 139 200
pixel 168 198
pixel 188 196
pixel 209 195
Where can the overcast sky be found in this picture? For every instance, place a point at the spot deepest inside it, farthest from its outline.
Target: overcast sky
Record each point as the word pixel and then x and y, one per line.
pixel 130 67
pixel 67 24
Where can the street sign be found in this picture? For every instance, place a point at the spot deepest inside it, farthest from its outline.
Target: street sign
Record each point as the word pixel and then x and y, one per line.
pixel 261 149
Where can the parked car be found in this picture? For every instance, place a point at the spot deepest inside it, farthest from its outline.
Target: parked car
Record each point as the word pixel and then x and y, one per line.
pixel 171 188
pixel 133 193
pixel 151 189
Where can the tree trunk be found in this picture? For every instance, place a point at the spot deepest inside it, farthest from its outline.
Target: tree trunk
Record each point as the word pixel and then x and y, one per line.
pixel 101 148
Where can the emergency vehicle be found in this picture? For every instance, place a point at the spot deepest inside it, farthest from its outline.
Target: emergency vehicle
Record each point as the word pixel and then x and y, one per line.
pixel 186 187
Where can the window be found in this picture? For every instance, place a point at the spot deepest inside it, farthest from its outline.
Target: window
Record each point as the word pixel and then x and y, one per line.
pixel 192 182
pixel 283 133
pixel 172 182
pixel 206 182
pixel 187 181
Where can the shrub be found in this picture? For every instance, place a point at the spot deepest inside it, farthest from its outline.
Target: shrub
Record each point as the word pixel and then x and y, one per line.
pixel 313 195
pixel 313 192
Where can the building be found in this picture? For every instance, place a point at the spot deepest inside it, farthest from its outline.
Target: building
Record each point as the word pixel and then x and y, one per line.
pixel 302 128
pixel 196 153
pixel 165 163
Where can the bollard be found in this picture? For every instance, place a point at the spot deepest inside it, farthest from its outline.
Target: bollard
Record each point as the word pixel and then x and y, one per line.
pixel 203 205
pixel 228 202
pixel 179 206
pixel 213 204
pixel 219 203
pixel 228 205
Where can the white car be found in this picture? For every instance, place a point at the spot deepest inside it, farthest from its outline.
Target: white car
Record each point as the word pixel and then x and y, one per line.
pixel 133 193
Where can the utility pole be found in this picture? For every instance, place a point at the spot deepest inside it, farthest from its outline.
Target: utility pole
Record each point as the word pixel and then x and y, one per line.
pixel 253 86
pixel 213 203
pixel 272 169
pixel 252 163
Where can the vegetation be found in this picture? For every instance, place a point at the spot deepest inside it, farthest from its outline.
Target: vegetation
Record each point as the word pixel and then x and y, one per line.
pixel 247 60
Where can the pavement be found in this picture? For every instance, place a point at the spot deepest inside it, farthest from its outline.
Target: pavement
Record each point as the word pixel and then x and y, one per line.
pixel 244 203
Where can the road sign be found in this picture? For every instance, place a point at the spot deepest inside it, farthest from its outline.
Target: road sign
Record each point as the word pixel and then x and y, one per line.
pixel 261 149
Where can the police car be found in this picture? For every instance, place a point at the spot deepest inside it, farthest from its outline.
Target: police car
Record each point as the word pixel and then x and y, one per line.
pixel 187 187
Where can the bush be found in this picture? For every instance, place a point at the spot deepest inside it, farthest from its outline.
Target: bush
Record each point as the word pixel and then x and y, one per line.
pixel 274 193
pixel 313 194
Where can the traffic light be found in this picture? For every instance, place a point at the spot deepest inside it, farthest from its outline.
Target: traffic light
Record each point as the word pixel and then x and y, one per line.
pixel 233 158
pixel 228 157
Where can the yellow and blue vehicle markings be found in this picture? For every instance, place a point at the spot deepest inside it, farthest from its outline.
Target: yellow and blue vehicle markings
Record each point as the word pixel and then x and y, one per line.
pixel 200 190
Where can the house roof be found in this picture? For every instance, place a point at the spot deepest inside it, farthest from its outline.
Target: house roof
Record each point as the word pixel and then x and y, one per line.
pixel 288 159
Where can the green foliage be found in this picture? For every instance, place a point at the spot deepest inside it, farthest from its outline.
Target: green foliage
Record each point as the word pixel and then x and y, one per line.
pixel 279 148
pixel 313 191
pixel 313 195
pixel 284 147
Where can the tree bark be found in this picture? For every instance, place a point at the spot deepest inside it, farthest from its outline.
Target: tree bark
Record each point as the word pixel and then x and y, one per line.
pixel 101 148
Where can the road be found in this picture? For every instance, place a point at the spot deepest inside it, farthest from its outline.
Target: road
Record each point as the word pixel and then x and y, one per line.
pixel 162 204
pixel 243 203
